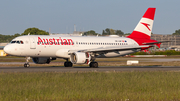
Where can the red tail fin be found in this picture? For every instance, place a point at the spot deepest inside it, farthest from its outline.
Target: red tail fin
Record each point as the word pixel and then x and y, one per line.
pixel 144 27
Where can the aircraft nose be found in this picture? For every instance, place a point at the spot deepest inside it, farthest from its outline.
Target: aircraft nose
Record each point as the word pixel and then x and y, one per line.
pixel 7 49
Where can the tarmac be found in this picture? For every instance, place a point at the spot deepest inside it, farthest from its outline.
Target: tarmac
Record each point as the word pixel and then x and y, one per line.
pixel 17 68
pixel 88 69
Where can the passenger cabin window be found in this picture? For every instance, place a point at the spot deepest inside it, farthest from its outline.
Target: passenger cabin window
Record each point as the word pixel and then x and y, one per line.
pixel 93 43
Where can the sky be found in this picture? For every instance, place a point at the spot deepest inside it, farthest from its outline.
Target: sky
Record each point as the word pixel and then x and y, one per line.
pixel 61 15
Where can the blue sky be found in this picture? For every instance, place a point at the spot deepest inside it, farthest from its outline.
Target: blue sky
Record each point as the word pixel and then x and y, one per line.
pixel 97 15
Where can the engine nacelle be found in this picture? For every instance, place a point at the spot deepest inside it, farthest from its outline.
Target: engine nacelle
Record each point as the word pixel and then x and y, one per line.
pixel 41 60
pixel 80 58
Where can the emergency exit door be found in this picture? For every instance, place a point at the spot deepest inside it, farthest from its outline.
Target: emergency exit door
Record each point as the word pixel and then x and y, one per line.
pixel 32 43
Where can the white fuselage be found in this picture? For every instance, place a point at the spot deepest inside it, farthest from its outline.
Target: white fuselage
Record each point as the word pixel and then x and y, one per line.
pixel 58 46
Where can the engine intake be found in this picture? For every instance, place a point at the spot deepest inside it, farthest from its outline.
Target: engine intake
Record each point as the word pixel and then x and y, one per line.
pixel 80 58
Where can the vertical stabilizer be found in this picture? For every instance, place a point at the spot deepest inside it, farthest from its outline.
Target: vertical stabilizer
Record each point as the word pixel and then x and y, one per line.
pixel 144 27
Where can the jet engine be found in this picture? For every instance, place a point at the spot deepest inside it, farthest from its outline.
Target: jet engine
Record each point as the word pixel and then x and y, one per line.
pixel 41 60
pixel 80 58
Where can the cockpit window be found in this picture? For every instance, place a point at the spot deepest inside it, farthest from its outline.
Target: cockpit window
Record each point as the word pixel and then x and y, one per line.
pixel 22 42
pixel 17 41
pixel 13 41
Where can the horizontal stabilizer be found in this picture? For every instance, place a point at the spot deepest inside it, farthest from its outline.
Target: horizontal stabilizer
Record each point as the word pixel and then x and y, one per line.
pixel 156 43
pixel 150 43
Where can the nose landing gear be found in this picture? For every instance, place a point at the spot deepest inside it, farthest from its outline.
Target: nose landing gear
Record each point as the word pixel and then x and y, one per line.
pixel 26 65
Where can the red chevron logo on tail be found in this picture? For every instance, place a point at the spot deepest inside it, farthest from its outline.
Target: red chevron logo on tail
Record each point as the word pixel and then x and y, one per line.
pixel 147 25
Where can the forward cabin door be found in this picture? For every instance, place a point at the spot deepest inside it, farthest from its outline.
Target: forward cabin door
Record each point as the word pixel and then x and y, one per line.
pixel 32 43
pixel 76 44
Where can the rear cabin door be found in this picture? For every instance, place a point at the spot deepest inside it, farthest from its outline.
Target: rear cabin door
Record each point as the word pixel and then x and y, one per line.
pixel 32 43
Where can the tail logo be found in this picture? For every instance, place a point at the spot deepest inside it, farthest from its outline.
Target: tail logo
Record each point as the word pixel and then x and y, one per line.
pixel 147 25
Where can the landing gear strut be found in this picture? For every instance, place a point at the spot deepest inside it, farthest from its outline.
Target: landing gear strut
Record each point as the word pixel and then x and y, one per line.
pixel 26 65
pixel 93 65
pixel 68 63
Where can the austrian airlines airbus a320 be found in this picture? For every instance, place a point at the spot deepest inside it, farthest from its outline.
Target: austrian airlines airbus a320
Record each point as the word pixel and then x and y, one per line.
pixel 83 49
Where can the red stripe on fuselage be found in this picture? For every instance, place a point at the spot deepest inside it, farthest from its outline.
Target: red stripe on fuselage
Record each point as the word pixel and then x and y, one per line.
pixel 140 41
pixel 141 38
pixel 139 35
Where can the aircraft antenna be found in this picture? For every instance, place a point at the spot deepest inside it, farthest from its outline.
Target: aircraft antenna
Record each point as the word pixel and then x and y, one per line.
pixel 49 31
pixel 74 28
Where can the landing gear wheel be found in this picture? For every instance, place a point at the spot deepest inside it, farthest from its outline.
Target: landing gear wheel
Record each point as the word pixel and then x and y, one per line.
pixel 68 64
pixel 93 65
pixel 90 65
pixel 26 65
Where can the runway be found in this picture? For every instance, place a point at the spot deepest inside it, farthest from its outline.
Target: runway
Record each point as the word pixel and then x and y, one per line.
pixel 87 69
pixel 153 63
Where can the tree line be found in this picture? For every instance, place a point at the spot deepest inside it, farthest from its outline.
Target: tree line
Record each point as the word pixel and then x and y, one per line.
pixel 107 31
pixel 177 32
pixel 31 31
pixel 36 31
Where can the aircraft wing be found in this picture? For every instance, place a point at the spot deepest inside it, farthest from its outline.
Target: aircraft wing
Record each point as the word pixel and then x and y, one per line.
pixel 110 49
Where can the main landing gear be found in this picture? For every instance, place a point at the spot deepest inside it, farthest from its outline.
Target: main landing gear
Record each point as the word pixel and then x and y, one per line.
pixel 93 65
pixel 68 63
pixel 26 65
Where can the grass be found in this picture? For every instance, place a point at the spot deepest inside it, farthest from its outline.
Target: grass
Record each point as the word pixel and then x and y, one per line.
pixel 90 86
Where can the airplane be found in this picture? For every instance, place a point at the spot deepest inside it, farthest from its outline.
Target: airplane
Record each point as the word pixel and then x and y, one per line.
pixel 83 49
